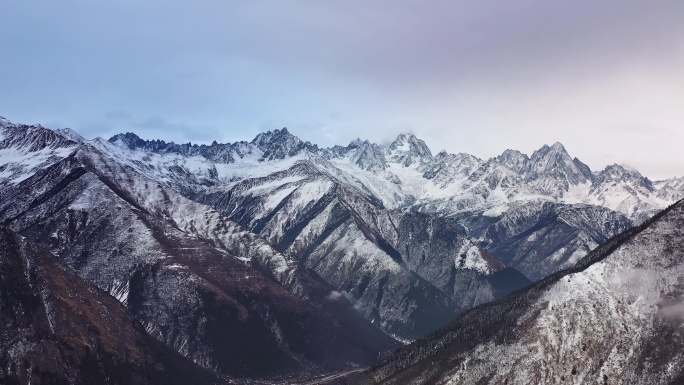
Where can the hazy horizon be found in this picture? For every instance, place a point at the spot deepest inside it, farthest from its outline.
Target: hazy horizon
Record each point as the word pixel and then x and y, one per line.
pixel 605 78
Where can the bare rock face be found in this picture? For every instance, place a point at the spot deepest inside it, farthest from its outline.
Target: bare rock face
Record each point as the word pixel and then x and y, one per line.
pixel 58 329
pixel 614 318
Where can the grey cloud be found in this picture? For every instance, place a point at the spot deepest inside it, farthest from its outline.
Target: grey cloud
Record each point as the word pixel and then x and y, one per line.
pixel 401 41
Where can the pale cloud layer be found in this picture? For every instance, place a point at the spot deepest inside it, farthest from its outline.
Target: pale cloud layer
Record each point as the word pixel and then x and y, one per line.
pixel 604 77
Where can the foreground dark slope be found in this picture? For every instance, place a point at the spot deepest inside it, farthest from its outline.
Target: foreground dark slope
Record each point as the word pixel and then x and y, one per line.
pixel 58 329
pixel 614 318
pixel 207 288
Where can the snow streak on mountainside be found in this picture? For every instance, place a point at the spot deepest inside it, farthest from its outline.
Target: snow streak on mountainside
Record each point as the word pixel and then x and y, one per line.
pixel 615 318
pixel 23 152
pixel 198 282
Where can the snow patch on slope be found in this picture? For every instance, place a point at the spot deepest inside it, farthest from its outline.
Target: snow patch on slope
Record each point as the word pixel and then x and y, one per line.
pixel 470 257
pixel 17 164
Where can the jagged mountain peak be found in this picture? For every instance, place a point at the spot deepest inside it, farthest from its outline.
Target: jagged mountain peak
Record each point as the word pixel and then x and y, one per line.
pixel 70 134
pixel 455 160
pixel 406 136
pixel 545 159
pixel 554 171
pixel 556 150
pixel 548 158
pixel 128 140
pixel 550 171
pixel 407 149
pixel 277 135
pixel 408 140
pixel 558 146
pixel 32 137
pixel 446 168
pixel 618 170
pixel 512 153
pixel 216 152
pixel 364 154
pixel 280 144
pixel 515 160
pixel 358 142
pixel 270 145
pixel 618 174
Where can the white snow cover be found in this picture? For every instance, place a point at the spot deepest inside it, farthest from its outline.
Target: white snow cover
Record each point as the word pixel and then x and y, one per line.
pixel 472 259
pixel 164 167
pixel 18 164
pixel 120 290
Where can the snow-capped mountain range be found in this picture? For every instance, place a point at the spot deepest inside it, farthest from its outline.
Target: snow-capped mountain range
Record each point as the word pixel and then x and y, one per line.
pixel 405 174
pixel 406 238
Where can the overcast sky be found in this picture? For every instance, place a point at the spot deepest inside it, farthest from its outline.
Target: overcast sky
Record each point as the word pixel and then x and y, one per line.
pixel 604 77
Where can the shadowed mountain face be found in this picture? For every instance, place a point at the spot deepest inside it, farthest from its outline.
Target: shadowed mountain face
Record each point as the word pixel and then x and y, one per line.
pixel 58 329
pixel 615 318
pixel 198 283
pixel 539 239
